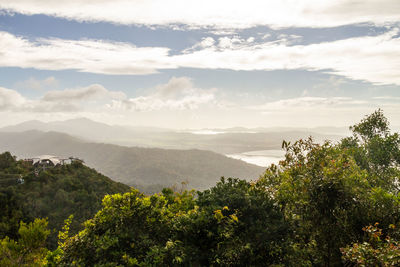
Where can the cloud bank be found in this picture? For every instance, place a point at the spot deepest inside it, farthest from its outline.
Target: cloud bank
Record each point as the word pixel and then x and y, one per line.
pixel 216 14
pixel 178 103
pixel 176 94
pixel 67 100
pixel 93 56
pixel 369 58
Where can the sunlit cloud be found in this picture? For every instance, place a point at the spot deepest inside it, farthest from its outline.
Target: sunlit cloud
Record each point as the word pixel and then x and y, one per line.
pixel 388 98
pixel 94 91
pixel 93 56
pixel 229 14
pixel 176 94
pixel 10 99
pixel 179 103
pixel 65 101
pixel 369 58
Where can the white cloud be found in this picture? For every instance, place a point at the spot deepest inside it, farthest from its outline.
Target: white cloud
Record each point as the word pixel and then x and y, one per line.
pixel 180 104
pixel 176 94
pixel 84 55
pixel 218 14
pixel 395 99
pixel 288 39
pixel 94 91
pixel 10 99
pixel 224 31
pixel 231 42
pixel 207 42
pixel 250 39
pixel 175 87
pixel 311 111
pixel 308 102
pixel 265 36
pixel 67 100
pixel 369 58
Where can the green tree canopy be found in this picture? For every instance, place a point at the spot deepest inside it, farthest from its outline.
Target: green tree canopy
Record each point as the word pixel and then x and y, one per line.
pixel 330 191
pixel 30 249
pixel 233 224
pixel 54 193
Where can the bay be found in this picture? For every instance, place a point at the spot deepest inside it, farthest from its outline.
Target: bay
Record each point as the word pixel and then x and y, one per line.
pixel 263 158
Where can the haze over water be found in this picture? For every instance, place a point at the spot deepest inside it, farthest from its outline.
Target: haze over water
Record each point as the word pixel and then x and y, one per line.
pixel 263 158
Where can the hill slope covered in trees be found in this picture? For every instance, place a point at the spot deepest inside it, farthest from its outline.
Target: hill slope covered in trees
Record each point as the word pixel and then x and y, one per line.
pixel 149 169
pixel 54 193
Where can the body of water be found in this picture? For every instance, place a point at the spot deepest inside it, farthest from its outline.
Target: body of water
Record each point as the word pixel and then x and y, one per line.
pixel 262 158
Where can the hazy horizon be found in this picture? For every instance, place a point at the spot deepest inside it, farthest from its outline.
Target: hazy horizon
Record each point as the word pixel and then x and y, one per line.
pixel 198 130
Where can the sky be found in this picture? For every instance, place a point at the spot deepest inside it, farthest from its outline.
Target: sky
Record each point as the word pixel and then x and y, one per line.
pixel 200 64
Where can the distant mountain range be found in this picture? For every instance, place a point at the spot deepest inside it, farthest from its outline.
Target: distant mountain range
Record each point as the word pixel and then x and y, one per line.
pixel 84 128
pixel 228 141
pixel 150 169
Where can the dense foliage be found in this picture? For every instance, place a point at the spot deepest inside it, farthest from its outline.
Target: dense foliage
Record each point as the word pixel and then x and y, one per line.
pixel 30 248
pixel 54 193
pixel 378 249
pixel 321 206
pixel 231 224
pixel 329 192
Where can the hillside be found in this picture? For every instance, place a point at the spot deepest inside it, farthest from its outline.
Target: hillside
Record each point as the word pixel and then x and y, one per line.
pixel 150 169
pixel 55 193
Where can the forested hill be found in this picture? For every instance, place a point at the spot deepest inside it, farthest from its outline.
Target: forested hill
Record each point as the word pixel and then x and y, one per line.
pixel 149 169
pixel 54 193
